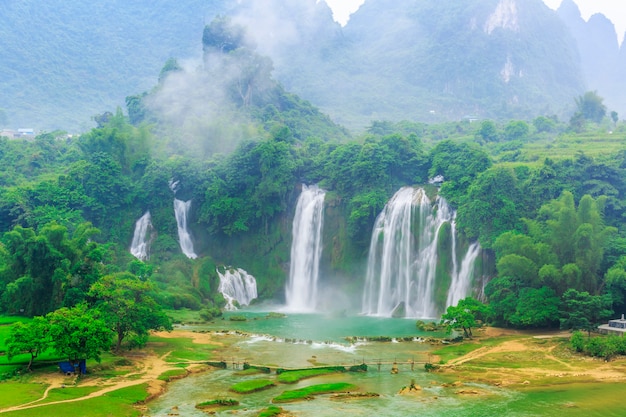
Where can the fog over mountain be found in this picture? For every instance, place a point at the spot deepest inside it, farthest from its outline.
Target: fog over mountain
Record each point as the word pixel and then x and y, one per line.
pixel 603 61
pixel 425 60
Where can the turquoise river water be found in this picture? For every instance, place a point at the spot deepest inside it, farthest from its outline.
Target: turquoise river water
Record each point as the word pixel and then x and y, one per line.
pixel 301 340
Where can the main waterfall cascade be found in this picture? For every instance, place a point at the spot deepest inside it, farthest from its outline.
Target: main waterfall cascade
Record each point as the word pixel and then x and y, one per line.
pixel 306 250
pixel 181 210
pixel 402 262
pixel 236 285
pixel 140 246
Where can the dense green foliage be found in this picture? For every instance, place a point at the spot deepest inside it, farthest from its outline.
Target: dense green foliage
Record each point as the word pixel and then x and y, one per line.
pixel 127 307
pixel 602 347
pixel 552 226
pixel 545 200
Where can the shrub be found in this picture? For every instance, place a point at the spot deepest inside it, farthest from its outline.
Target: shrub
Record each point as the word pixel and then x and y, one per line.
pixel 208 314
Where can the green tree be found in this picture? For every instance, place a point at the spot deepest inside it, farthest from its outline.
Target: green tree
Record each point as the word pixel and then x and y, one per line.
pixel 31 337
pixel 460 164
pixel 465 315
pixel 591 107
pixel 488 131
pixel 615 281
pixel 516 130
pixel 78 333
pixel 491 206
pixel 544 124
pixel 536 308
pixel 126 305
pixel 580 310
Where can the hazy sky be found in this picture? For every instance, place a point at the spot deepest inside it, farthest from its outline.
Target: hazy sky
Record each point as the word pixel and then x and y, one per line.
pixel 615 10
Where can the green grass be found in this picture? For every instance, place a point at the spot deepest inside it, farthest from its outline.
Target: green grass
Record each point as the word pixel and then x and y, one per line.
pixel 291 377
pixel 308 392
pixel 184 315
pixel 15 393
pixel 68 393
pixel 172 374
pixel 253 385
pixel 456 350
pixel 270 411
pixel 180 349
pixel 585 399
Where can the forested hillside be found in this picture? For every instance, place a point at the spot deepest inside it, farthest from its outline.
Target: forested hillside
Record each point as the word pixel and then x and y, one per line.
pixel 545 198
pixel 64 62
pixel 545 203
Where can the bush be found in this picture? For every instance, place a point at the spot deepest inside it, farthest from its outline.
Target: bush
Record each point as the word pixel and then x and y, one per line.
pixel 599 347
pixel 208 314
pixel 577 341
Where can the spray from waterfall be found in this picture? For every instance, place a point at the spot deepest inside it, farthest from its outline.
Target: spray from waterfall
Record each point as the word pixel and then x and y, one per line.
pixel 140 245
pixel 238 288
pixel 181 211
pixel 306 250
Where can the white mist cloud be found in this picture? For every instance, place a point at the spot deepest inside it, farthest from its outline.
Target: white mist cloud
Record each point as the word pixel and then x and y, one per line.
pixel 199 107
pixel 277 25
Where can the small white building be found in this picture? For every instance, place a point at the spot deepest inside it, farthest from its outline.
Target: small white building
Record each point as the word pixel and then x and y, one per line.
pixel 617 327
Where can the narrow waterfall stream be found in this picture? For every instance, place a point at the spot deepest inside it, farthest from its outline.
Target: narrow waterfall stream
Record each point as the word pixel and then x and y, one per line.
pixel 461 284
pixel 306 250
pixel 181 210
pixel 140 245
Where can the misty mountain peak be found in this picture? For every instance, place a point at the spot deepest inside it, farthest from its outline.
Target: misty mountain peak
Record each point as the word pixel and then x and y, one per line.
pixel 505 16
pixel 569 10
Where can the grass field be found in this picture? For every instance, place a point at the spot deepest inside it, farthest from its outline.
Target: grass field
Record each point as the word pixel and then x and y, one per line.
pixel 291 377
pixel 253 385
pixel 307 393
pixel 180 349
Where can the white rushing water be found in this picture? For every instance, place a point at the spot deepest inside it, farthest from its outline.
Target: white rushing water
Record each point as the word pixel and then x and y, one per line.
pixel 402 260
pixel 236 285
pixel 460 287
pixel 140 246
pixel 306 251
pixel 181 210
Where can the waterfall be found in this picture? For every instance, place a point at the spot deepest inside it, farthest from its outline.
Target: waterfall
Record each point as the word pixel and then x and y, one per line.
pixel 306 250
pixel 140 246
pixel 402 258
pixel 181 210
pixel 462 279
pixel 236 285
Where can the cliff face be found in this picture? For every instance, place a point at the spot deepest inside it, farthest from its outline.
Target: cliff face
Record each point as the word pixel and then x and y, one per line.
pixel 430 60
pixel 601 57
